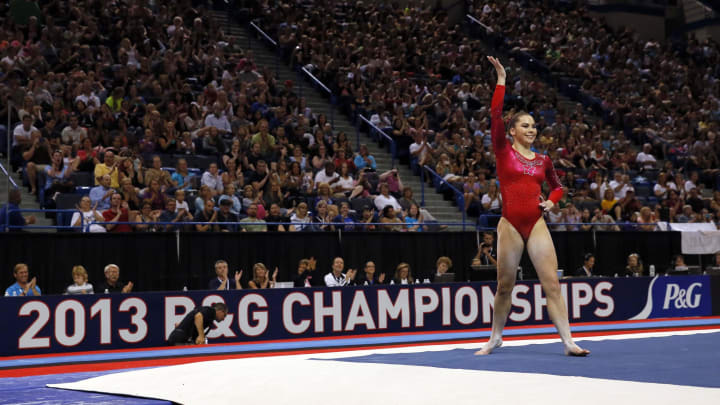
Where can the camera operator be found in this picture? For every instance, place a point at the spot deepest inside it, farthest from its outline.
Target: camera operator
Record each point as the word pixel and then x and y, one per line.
pixel 487 253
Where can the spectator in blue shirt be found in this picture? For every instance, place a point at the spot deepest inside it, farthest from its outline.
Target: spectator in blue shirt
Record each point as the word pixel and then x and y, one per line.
pixel 182 176
pixel 22 287
pixel 364 160
pixel 15 218
pixel 100 195
pixel 344 217
pixel 414 219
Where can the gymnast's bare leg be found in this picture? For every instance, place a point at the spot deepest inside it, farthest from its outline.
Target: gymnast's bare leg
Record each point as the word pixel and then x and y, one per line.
pixel 509 252
pixel 542 254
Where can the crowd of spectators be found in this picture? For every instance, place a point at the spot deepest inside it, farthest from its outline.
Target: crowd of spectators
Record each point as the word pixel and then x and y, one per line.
pixel 122 92
pixel 91 94
pixel 426 83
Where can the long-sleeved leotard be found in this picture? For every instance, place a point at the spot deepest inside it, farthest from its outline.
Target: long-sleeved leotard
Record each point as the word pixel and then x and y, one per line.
pixel 520 178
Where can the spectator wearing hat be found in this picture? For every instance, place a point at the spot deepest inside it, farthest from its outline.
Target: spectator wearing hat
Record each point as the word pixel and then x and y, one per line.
pixel 225 214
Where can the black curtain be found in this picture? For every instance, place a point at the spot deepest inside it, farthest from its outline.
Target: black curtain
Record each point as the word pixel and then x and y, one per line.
pixel 284 250
pixel 148 260
pixel 419 250
pixel 168 261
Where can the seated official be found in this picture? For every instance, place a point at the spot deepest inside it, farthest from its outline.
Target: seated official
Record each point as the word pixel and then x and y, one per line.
pixel 221 281
pixel 307 274
pixel 261 278
pixel 634 266
pixel 196 324
pixel 336 277
pixel 587 269
pixel 442 266
pixel 403 275
pixel 369 276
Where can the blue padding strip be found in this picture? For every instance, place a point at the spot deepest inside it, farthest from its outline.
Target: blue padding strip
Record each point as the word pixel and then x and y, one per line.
pixel 329 343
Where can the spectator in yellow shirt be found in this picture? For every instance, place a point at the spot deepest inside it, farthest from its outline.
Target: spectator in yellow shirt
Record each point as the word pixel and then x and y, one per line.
pixel 115 100
pixel 109 167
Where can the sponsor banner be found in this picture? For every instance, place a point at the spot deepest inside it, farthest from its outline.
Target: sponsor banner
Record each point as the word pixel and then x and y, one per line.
pixel 676 297
pixel 53 324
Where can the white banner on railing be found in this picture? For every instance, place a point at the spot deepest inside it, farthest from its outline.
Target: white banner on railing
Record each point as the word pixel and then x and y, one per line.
pixel 700 242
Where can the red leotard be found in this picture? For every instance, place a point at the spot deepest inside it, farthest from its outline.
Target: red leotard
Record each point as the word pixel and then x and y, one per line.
pixel 520 178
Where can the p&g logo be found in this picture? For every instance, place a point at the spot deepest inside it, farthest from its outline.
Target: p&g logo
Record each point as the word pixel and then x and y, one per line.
pixel 682 298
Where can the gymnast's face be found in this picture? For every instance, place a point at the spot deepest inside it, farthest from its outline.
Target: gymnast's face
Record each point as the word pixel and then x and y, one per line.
pixel 524 130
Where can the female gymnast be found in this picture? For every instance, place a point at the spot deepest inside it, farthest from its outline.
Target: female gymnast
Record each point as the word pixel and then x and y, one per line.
pixel 521 173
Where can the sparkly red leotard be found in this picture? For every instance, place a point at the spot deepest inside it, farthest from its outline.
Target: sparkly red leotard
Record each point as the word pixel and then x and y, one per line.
pixel 520 178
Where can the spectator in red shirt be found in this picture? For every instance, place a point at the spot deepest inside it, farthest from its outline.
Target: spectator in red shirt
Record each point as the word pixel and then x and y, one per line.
pixel 340 158
pixel 118 212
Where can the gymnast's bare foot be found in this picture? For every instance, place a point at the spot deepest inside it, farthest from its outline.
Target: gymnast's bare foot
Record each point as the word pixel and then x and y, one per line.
pixel 576 351
pixel 488 348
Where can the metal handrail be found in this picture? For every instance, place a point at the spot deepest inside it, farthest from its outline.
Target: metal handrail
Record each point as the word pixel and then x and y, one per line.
pixel 272 42
pixel 458 193
pixel 478 22
pixel 266 36
pixel 393 145
pixel 15 186
pixel 316 80
pixel 10 179
pixel 327 90
pixel 354 224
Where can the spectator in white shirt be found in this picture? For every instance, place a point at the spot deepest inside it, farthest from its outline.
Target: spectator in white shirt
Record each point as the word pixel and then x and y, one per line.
pixel 80 285
pixel 599 186
pixel 218 120
pixel 385 199
pixel 692 183
pixel 88 97
pixel 22 132
pixel 328 175
pixel 645 159
pixel 492 200
pixel 73 134
pixel 620 185
pixel 212 179
pixel 661 188
pixel 336 278
pixel 421 149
